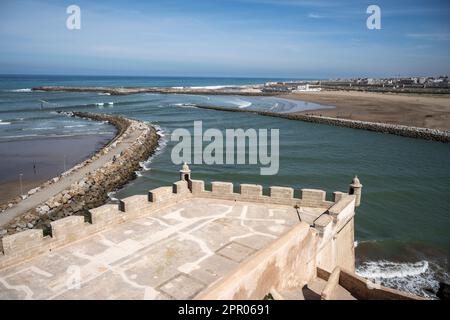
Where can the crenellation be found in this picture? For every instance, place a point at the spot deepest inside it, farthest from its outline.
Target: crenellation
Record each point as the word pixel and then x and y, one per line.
pixel 337 195
pixel 21 241
pixel 69 228
pixel 313 197
pixel 340 205
pixel 160 194
pixel 251 190
pixel 198 186
pixel 104 215
pixel 281 192
pixel 219 187
pixel 134 203
pixel 180 187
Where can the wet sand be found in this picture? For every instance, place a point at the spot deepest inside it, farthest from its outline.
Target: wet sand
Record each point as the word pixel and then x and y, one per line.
pixel 42 159
pixel 428 111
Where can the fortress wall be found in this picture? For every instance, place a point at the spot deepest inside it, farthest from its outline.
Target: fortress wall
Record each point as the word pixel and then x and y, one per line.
pixel 30 243
pixel 25 245
pixel 253 193
pixel 292 260
pixel 336 228
pixel 286 262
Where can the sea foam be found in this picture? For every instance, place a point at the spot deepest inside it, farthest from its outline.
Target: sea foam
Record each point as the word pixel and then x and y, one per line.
pixel 21 90
pixel 420 278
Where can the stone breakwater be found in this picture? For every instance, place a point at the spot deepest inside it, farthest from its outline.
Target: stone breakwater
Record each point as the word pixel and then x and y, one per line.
pixel 400 130
pixel 119 91
pixel 92 190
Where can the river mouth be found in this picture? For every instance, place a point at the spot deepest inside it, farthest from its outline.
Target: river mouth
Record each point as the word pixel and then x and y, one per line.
pixel 406 181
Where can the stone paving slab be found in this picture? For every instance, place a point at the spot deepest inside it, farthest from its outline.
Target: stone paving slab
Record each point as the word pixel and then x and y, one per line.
pixel 172 254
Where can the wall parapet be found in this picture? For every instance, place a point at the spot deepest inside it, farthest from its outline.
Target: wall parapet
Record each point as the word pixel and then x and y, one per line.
pixel 27 244
pixel 314 198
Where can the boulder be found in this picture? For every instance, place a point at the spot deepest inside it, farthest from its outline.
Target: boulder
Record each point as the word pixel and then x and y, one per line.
pixel 444 291
pixel 43 209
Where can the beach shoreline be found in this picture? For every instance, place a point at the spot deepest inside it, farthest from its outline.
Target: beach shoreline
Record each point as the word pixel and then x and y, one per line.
pixel 43 158
pixel 414 110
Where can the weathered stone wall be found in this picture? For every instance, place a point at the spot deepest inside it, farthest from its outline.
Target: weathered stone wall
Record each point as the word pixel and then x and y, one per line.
pixel 292 260
pixel 92 191
pixel 400 130
pixel 288 262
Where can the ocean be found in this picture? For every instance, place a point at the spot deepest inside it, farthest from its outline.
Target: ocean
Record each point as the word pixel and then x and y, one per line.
pixel 402 225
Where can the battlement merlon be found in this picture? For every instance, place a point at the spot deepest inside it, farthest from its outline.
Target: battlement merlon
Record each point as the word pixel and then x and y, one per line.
pixel 333 215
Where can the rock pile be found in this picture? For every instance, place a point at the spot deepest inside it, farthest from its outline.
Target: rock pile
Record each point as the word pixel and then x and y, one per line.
pixel 400 130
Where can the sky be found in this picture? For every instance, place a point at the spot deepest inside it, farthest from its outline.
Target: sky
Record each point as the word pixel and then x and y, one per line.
pixel 226 38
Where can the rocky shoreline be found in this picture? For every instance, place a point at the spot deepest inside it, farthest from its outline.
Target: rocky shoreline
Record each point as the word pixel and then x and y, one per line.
pixel 400 130
pixel 91 191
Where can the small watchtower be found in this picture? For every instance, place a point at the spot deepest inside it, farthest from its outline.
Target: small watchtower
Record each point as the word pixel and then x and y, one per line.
pixel 356 189
pixel 185 173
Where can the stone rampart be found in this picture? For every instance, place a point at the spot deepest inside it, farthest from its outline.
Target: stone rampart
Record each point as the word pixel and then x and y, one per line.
pixel 24 245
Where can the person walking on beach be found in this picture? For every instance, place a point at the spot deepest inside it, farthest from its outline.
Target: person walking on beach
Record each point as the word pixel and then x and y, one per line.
pixel 34 167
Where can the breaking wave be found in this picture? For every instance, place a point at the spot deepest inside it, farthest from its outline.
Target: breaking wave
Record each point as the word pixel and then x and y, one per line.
pixel 138 173
pixel 420 278
pixel 111 196
pixel 241 104
pixel 145 165
pixel 184 105
pixel 20 90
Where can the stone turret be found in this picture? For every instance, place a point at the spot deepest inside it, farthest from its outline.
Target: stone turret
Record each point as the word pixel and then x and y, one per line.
pixel 185 173
pixel 356 189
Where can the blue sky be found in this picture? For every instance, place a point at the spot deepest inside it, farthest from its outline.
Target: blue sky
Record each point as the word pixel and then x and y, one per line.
pixel 255 38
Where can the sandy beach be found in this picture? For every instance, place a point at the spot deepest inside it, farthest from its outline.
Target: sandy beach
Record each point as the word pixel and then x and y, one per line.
pixel 39 160
pixel 429 111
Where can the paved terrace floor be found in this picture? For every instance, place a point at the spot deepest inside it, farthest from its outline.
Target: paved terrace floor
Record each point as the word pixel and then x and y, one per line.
pixel 172 254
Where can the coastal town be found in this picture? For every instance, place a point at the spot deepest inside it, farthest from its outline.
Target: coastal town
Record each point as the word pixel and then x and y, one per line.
pixel 415 85
pixel 430 84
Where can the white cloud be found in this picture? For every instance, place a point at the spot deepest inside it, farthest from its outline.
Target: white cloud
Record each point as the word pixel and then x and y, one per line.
pixel 315 16
pixel 430 36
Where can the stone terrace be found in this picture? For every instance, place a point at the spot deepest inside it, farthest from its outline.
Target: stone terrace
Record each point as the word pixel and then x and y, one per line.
pixel 172 254
pixel 181 241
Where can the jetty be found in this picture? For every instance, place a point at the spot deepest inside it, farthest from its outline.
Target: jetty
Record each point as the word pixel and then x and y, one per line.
pixel 87 184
